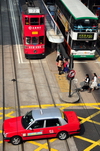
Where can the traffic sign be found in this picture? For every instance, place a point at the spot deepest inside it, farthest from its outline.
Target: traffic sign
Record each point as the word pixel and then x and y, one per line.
pixel 71 74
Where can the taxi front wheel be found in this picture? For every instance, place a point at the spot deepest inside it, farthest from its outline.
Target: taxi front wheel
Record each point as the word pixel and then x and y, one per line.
pixel 15 140
pixel 62 135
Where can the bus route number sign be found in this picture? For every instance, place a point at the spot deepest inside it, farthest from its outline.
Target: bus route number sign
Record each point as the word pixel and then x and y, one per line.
pixel 85 36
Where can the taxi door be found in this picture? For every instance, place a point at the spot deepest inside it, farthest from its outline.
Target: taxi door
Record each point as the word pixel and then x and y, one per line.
pixel 52 127
pixel 35 131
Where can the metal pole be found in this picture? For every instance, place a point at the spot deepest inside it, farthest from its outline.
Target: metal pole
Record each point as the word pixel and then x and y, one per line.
pixel 70 84
pixel 71 64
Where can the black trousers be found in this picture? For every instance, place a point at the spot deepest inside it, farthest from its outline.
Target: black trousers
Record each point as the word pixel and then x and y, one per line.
pixel 86 87
pixel 60 70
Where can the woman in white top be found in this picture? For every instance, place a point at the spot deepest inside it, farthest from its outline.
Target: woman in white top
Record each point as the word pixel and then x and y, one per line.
pixel 94 82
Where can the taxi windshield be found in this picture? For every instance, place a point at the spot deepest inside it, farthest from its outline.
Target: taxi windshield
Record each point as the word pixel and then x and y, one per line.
pixel 27 119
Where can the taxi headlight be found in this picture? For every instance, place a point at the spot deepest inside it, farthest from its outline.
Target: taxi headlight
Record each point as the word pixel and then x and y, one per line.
pixel 4 134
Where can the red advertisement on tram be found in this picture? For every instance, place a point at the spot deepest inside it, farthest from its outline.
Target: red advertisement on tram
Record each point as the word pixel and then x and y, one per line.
pixel 33 31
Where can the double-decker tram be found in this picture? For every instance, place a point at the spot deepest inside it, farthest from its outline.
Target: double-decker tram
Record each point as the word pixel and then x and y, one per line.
pixel 79 27
pixel 33 29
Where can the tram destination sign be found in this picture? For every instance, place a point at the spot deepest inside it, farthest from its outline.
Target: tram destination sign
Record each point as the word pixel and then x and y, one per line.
pixel 85 36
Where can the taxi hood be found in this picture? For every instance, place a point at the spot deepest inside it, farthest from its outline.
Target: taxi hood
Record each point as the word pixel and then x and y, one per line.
pixel 13 124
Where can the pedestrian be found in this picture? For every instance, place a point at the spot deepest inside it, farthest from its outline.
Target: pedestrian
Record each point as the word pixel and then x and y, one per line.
pixel 86 83
pixel 59 57
pixel 60 66
pixel 59 62
pixel 66 65
pixel 94 83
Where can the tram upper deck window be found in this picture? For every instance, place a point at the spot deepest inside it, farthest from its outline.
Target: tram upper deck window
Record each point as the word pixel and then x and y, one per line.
pixel 41 20
pixel 26 21
pixel 35 40
pixel 34 21
pixel 28 40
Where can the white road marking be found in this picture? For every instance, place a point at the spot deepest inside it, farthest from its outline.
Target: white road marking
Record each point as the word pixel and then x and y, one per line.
pixel 15 31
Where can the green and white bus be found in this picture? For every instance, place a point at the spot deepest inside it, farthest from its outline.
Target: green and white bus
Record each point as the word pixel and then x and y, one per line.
pixel 79 27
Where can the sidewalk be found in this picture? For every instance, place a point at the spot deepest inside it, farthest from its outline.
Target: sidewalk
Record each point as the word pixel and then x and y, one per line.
pixel 62 82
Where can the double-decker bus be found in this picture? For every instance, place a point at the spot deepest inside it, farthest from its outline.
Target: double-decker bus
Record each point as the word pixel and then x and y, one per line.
pixel 33 29
pixel 79 27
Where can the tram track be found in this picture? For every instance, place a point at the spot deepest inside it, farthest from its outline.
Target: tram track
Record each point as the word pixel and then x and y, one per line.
pixel 16 98
pixel 14 85
pixel 40 83
pixel 3 82
pixel 38 98
pixel 43 70
pixel 14 81
pixel 49 87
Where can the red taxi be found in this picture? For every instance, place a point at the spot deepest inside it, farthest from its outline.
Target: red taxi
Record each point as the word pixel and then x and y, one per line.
pixel 41 123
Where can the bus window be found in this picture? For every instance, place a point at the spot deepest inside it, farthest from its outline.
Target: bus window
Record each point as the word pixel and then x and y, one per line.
pixel 26 21
pixel 84 45
pixel 34 40
pixel 74 46
pixel 41 20
pixel 28 40
pixel 85 25
pixel 34 21
pixel 41 40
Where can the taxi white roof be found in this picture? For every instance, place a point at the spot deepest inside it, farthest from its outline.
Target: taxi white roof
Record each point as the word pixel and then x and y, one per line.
pixel 78 9
pixel 46 113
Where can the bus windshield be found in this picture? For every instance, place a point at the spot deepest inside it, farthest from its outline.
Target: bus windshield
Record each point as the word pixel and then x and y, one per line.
pixel 83 45
pixel 85 25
